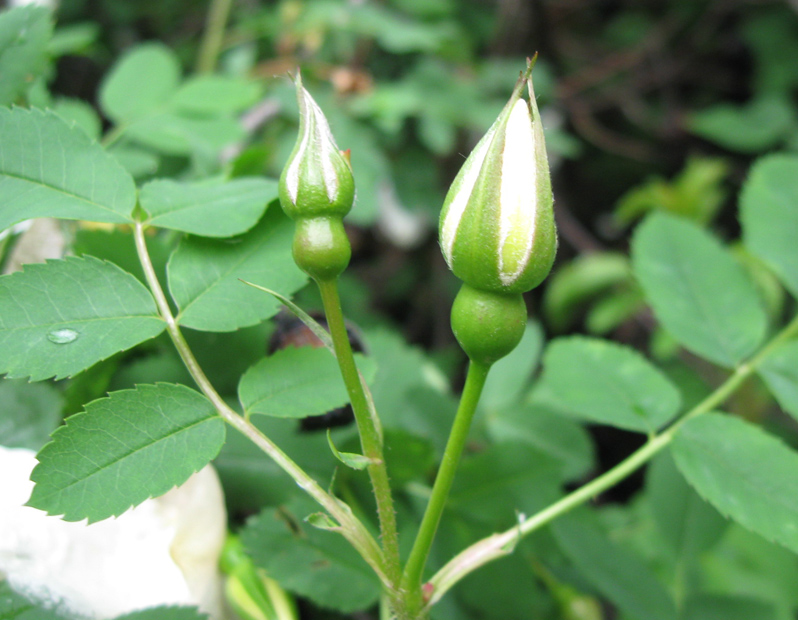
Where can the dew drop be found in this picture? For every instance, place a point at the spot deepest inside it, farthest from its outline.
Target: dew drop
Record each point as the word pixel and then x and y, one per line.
pixel 63 335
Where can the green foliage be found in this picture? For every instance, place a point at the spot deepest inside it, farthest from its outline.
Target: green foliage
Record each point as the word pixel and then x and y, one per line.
pixel 24 34
pixel 153 438
pixel 14 606
pixel 780 372
pixel 205 276
pixel 607 383
pixel 309 561
pixel 744 472
pixel 295 383
pixel 60 318
pixel 30 413
pixel 699 293
pixel 50 170
pixel 769 216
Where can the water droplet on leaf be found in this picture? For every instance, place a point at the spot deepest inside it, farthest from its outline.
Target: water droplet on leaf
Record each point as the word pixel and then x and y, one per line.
pixel 63 335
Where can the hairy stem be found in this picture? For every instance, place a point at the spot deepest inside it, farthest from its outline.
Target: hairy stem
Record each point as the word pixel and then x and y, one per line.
pixel 370 437
pixel 499 545
pixel 348 525
pixel 475 381
pixel 211 44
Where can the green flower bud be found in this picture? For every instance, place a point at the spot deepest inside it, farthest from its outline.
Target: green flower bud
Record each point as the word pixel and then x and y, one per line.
pixel 497 228
pixel 317 180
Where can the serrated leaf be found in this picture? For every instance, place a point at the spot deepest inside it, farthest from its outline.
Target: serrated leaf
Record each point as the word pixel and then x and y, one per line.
pixel 211 208
pixel 49 169
pixel 61 317
pixel 745 473
pixel 688 524
pixel 355 461
pixel 313 563
pixel 205 276
pixel 617 573
pixel 297 383
pixel 215 94
pixel 699 293
pixel 780 372
pixel 126 95
pixel 604 382
pixel 79 113
pixel 165 612
pixel 30 412
pixel 124 449
pixel 24 34
pixel 769 215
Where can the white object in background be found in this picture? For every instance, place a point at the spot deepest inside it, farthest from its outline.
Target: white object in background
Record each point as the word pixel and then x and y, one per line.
pixel 163 552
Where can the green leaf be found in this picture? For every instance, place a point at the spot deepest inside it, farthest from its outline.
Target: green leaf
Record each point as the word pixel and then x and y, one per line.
pixel 715 607
pixel 297 383
pixel 769 215
pixel 511 375
pixel 165 613
pixel 31 411
pixel 205 274
pixel 14 606
pixel 603 382
pixel 61 317
pixel 143 80
pixel 215 94
pixel 780 372
pixel 305 560
pixel 355 461
pixel 699 293
pixel 553 434
pixel 124 449
pixel 24 34
pixel 49 169
pixel 173 134
pixel 211 208
pixel 756 126
pixel 688 524
pixel 500 483
pixel 745 473
pixel 615 572
pixel 78 112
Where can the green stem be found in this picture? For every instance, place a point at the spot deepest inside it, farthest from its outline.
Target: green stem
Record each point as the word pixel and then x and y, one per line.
pixel 370 437
pixel 213 36
pixel 349 526
pixel 499 545
pixel 475 381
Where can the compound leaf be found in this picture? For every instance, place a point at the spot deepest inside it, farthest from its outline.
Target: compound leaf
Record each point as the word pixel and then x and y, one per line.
pixel 211 208
pixel 745 473
pixel 61 317
pixel 699 293
pixel 51 169
pixel 124 449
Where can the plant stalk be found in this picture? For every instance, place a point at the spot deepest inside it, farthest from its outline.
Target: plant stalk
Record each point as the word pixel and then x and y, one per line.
pixel 348 525
pixel 475 381
pixel 370 437
pixel 499 545
pixel 213 36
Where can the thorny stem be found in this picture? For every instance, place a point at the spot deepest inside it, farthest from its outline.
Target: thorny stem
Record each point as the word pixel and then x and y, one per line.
pixel 214 34
pixel 348 525
pixel 475 381
pixel 370 437
pixel 499 545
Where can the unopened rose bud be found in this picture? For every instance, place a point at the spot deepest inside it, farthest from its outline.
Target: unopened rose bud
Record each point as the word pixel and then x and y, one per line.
pixel 317 180
pixel 497 228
